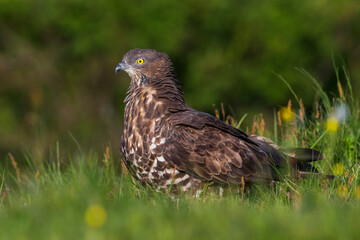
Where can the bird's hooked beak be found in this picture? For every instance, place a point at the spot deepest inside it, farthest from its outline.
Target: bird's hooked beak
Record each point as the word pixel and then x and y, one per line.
pixel 121 66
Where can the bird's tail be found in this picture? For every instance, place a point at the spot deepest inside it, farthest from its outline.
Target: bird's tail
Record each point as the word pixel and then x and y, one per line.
pixel 301 159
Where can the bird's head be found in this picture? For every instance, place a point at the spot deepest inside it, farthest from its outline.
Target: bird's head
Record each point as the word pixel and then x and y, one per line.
pixel 145 64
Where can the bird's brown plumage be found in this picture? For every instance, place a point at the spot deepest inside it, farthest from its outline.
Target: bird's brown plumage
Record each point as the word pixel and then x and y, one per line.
pixel 167 143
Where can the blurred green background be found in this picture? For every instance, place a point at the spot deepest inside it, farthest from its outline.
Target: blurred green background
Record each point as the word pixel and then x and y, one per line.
pixel 57 60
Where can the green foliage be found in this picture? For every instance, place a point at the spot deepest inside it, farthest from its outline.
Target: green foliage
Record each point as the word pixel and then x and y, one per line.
pixel 57 59
pixel 89 195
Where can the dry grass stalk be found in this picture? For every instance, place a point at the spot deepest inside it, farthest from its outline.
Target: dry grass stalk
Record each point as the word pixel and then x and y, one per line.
pixel 124 168
pixel 255 126
pixel 174 172
pixel 227 119
pixel 37 174
pixel 222 110
pixel 3 196
pixel 107 151
pixel 230 120
pixel 350 180
pixel 14 163
pixel 258 126
pixel 242 185
pixel 4 193
pixel 279 118
pixel 107 156
pixel 295 128
pixel 217 114
pixel 341 92
pixel 262 125
pixel 301 111
pixel 299 175
pixel 317 111
pixel 289 105
pixel 112 192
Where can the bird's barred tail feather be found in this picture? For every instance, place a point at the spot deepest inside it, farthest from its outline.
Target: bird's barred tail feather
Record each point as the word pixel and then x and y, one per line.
pixel 302 157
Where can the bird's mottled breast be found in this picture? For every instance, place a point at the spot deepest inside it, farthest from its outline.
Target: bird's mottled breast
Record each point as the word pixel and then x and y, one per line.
pixel 144 139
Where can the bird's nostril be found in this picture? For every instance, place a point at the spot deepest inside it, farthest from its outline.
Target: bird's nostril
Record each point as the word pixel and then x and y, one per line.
pixel 121 66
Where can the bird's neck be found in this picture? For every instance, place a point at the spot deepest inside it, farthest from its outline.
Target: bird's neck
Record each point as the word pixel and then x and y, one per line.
pixel 154 99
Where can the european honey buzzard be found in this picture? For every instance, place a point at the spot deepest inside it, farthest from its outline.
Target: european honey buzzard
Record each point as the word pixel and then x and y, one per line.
pixel 166 143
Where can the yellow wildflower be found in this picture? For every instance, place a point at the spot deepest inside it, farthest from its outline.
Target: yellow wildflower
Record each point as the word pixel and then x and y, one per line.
pixel 338 169
pixel 332 124
pixel 357 192
pixel 342 191
pixel 287 114
pixel 95 216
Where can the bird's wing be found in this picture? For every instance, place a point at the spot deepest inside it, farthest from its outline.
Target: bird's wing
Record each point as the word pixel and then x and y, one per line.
pixel 207 148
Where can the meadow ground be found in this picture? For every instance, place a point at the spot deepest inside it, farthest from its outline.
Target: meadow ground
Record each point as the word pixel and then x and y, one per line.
pixel 87 195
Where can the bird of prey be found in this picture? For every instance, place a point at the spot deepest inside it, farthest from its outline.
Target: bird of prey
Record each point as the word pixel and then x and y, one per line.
pixel 167 143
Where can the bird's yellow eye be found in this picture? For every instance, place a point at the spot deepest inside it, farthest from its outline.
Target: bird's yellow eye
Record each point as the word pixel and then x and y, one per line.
pixel 140 61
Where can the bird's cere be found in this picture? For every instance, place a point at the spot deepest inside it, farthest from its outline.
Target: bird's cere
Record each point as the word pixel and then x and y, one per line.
pixel 121 66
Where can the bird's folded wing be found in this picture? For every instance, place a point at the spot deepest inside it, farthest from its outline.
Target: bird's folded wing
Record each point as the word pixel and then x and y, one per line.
pixel 203 146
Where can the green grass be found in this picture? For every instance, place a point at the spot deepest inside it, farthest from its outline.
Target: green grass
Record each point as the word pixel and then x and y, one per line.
pixel 51 200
